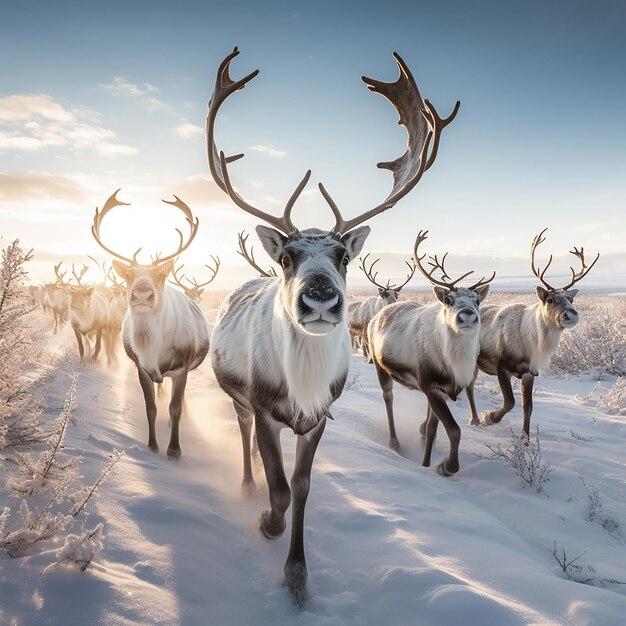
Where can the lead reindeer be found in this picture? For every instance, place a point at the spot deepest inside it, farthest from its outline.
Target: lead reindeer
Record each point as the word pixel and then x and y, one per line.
pixel 432 349
pixel 164 332
pixel 281 348
pixel 519 339
pixel 361 313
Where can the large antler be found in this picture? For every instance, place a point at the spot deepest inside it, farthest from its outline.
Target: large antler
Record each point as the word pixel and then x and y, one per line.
pixel 436 264
pixel 423 125
pixel 579 254
pixel 218 162
pixel 177 202
pixel 249 256
pixel 78 277
pixel 59 275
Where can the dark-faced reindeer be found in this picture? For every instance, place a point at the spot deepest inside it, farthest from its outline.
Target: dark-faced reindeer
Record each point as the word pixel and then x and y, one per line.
pixel 192 288
pixel 361 313
pixel 164 332
pixel 242 240
pixel 88 314
pixel 432 349
pixel 281 348
pixel 519 339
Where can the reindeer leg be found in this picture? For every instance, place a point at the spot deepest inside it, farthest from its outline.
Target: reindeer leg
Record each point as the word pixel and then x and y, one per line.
pixel 81 349
pixel 430 430
pixel 147 387
pixel 295 566
pixel 504 378
pixel 469 392
pixel 386 384
pixel 438 404
pixel 244 417
pixel 527 401
pixel 96 351
pixel 179 382
pixel 272 522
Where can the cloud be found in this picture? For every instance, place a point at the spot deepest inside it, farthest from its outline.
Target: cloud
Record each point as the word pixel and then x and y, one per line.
pixel 32 123
pixel 27 187
pixel 197 190
pixel 269 150
pixel 122 88
pixel 188 131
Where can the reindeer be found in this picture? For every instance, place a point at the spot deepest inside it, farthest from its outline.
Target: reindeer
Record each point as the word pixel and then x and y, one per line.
pixel 432 349
pixel 193 289
pixel 88 313
pixel 281 347
pixel 242 239
pixel 519 339
pixel 57 298
pixel 164 333
pixel 361 313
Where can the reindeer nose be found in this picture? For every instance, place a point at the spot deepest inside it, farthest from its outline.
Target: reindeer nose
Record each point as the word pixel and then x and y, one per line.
pixel 319 295
pixel 465 317
pixel 570 315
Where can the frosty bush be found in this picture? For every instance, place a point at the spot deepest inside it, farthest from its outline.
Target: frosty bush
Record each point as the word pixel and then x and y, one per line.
pixel 80 550
pixel 597 343
pixel 524 458
pixel 19 406
pixel 614 401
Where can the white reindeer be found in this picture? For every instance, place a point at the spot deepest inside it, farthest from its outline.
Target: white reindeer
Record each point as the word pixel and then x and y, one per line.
pixel 117 308
pixel 164 332
pixel 88 313
pixel 281 346
pixel 57 298
pixel 432 349
pixel 519 339
pixel 361 313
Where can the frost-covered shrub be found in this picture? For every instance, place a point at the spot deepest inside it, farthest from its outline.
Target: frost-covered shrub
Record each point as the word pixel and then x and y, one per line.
pixel 614 401
pixel 80 550
pixel 19 345
pixel 597 343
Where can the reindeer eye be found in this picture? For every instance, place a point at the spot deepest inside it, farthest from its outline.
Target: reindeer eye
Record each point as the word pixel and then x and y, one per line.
pixel 549 301
pixel 345 261
pixel 285 261
pixel 449 300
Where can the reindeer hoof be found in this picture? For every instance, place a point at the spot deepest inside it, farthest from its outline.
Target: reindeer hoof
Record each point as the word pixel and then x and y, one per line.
pixel 489 417
pixel 295 581
pixel 394 444
pixel 270 529
pixel 444 468
pixel 154 447
pixel 174 454
pixel 474 421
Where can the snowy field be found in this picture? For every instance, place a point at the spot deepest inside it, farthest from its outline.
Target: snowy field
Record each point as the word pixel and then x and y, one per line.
pixel 387 541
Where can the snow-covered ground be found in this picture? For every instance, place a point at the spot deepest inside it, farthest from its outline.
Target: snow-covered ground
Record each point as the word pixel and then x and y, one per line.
pixel 387 541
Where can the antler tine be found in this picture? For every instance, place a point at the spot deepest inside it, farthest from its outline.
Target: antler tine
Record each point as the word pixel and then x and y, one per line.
pixel 249 256
pixel 538 239
pixel 369 273
pixel 218 162
pixel 412 269
pixel 79 277
pixel 213 270
pixel 59 275
pixel 482 281
pixel 111 203
pixel 423 125
pixel 450 284
pixel 584 269
pixel 193 230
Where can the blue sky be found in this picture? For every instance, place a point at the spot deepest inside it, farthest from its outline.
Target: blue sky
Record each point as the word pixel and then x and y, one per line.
pixel 98 96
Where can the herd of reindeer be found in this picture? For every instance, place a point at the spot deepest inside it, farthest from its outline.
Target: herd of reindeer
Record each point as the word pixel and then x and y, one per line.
pixel 282 343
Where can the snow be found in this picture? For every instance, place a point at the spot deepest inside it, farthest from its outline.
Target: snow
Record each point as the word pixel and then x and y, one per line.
pixel 387 541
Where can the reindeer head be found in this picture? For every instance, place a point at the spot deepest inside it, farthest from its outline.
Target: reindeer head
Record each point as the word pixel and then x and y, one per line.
pixel 388 293
pixel 313 261
pixel 146 283
pixel 558 302
pixel 193 289
pixel 80 294
pixel 460 305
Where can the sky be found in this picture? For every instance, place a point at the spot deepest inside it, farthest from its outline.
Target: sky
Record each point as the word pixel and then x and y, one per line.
pixel 100 96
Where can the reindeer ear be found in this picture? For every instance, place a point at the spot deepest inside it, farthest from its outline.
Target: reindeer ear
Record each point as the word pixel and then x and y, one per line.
pixel 355 239
pixel 123 270
pixel 380 291
pixel 542 293
pixel 272 241
pixel 572 293
pixel 482 292
pixel 441 293
pixel 165 269
pixel 89 291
